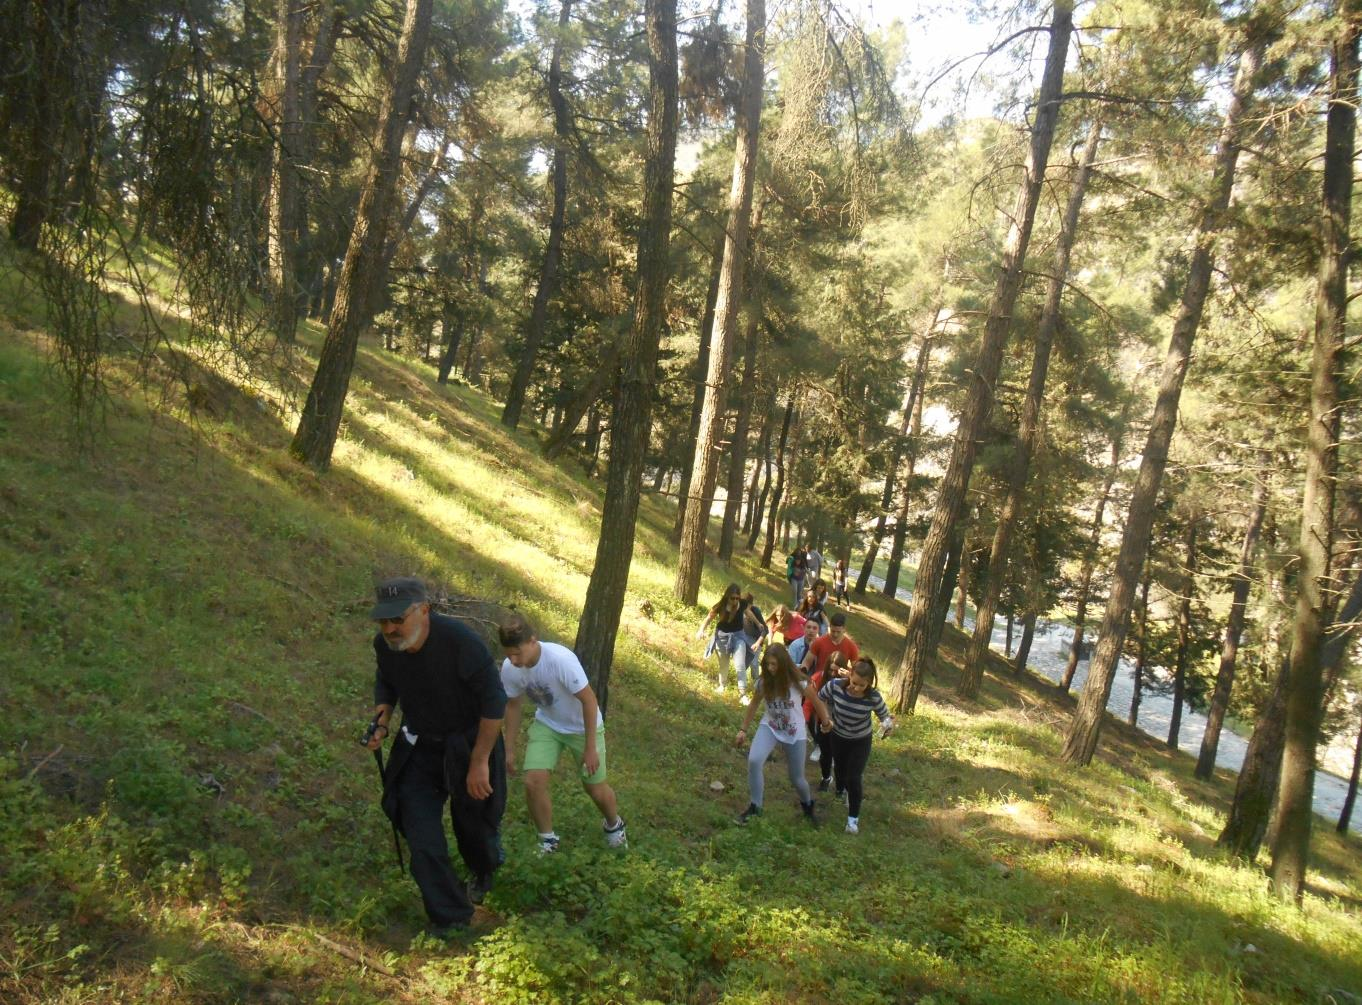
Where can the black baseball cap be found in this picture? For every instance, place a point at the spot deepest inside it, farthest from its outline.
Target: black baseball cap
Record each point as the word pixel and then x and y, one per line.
pixel 395 596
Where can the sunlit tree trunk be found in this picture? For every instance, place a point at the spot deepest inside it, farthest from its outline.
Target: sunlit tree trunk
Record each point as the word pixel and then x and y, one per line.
pixel 1142 649
pixel 779 490
pixel 1029 429
pixel 553 248
pixel 1091 553
pixel 1345 817
pixel 699 373
pixel 1234 629
pixel 1256 786
pixel 1316 597
pixel 316 435
pixel 1184 633
pixel 887 497
pixel 922 634
pixel 691 560
pixel 737 451
pixel 632 422
pixel 898 545
pixel 1081 741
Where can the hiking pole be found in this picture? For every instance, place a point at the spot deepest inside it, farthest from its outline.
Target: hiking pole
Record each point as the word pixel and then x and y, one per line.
pixel 378 759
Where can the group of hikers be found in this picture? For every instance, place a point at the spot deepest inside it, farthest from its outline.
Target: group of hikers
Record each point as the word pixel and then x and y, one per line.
pixel 461 719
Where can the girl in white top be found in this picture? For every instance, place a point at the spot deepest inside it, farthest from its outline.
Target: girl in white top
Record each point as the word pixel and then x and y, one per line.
pixel 784 689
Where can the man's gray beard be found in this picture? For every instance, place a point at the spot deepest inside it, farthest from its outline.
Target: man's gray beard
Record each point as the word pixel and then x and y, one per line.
pixel 401 645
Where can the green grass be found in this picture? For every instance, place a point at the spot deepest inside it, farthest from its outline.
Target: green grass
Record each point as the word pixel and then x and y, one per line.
pixel 185 813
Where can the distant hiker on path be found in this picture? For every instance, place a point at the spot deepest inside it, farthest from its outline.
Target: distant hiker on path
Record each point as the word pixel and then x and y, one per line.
pixel 737 635
pixel 782 688
pixel 839 584
pixel 796 566
pixel 553 679
pixel 814 558
pixel 449 747
pixel 850 702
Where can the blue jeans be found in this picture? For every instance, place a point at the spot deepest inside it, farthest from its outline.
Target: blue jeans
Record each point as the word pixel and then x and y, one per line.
pixel 734 647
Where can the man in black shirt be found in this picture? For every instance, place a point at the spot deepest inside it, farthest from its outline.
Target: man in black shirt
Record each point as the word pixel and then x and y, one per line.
pixel 449 746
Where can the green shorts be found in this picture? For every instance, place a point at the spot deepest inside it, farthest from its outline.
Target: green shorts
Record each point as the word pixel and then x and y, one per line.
pixel 545 744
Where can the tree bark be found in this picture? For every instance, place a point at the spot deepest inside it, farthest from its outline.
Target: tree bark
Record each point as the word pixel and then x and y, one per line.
pixel 1024 645
pixel 451 327
pixel 900 541
pixel 1028 432
pixel 548 267
pixel 1142 648
pixel 779 489
pixel 288 127
pixel 1184 634
pixel 1234 630
pixel 1346 816
pixel 1081 742
pixel 753 512
pixel 631 424
pixel 316 435
pixel 1316 598
pixel 692 549
pixel 699 373
pixel 896 459
pixel 923 633
pixel 1256 786
pixel 1090 555
pixel 588 395
pixel 737 452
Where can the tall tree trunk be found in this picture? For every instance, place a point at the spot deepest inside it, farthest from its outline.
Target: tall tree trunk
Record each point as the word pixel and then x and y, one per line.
pixel 697 403
pixel 1093 548
pixel 1346 816
pixel 950 575
pixel 1081 742
pixel 1234 630
pixel 451 327
pixel 737 452
pixel 896 458
pixel 1028 432
pixel 691 560
pixel 1316 598
pixel 548 267
pixel 1024 646
pixel 288 127
pixel 310 271
pixel 922 635
pixel 1184 633
pixel 1256 787
pixel 753 512
pixel 316 434
pixel 1142 648
pixel 963 581
pixel 631 423
pixel 900 540
pixel 779 489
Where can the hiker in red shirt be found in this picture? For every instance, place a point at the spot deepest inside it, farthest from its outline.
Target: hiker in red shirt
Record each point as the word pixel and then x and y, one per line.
pixel 817 663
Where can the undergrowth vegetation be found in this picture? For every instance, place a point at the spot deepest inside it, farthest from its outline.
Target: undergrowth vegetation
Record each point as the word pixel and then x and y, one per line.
pixel 185 813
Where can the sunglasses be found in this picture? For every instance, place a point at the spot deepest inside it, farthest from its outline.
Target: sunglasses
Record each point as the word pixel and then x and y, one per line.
pixel 397 620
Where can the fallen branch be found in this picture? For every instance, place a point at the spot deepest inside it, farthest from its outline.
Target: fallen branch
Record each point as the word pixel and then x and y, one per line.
pixel 43 763
pixel 353 954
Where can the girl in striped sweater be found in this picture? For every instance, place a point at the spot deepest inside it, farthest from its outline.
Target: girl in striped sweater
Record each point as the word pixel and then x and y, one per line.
pixel 850 702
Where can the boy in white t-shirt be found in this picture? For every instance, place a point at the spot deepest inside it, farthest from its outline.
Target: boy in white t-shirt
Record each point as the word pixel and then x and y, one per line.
pixel 553 679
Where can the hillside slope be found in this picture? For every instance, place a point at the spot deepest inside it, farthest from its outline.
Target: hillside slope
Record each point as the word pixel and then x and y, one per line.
pixel 185 814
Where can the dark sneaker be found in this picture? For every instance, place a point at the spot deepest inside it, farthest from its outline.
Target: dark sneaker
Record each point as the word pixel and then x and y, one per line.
pixel 478 887
pixel 808 812
pixel 825 784
pixel 753 810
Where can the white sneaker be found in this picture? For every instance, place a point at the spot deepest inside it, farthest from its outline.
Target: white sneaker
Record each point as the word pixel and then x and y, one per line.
pixel 615 836
pixel 548 845
pixel 719 689
pixel 853 827
pixel 815 755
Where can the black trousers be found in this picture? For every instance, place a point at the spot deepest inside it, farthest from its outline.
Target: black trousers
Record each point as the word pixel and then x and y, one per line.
pixel 849 760
pixel 826 752
pixel 425 778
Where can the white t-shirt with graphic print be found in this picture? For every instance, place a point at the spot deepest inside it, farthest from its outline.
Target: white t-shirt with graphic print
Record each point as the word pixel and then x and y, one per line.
pixel 552 685
pixel 785 716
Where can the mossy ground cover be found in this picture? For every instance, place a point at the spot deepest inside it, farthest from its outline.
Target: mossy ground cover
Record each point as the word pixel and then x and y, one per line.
pixel 185 814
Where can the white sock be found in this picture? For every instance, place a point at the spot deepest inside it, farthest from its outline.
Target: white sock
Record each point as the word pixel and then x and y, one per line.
pixel 550 836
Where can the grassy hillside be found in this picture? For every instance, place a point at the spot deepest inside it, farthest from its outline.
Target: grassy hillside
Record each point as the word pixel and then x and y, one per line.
pixel 185 814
